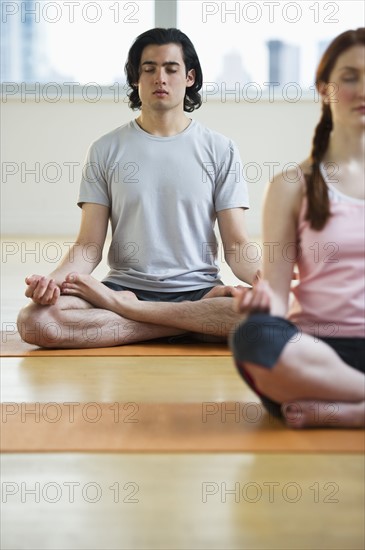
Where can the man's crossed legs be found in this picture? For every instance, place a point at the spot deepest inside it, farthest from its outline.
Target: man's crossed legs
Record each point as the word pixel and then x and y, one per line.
pixel 89 314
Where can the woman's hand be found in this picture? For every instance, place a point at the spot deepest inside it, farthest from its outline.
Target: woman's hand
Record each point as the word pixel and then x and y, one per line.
pixel 255 299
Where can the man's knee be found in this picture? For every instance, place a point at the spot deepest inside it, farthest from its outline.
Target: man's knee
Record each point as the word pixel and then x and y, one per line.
pixel 39 325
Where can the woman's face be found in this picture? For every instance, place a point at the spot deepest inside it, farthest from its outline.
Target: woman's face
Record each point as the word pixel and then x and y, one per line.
pixel 345 92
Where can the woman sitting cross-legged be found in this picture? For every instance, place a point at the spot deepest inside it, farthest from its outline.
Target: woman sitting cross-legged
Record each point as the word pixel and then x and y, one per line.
pixel 306 359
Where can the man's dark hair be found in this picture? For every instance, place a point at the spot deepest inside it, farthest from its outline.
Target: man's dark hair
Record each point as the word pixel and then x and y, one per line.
pixel 159 37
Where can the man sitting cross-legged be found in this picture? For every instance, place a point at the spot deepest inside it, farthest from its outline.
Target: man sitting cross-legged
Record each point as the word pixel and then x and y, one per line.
pixel 162 180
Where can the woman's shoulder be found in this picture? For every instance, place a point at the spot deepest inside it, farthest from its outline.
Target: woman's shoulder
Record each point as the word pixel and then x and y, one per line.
pixel 291 180
pixel 289 183
pixel 295 175
pixel 306 166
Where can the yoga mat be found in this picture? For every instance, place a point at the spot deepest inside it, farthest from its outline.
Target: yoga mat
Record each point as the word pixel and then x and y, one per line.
pixel 13 346
pixel 162 427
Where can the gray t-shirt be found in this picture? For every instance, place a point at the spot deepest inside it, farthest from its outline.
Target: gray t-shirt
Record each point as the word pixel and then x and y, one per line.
pixel 163 194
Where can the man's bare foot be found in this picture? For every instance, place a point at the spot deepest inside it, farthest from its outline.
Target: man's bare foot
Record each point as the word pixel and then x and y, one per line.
pixel 94 292
pixel 324 414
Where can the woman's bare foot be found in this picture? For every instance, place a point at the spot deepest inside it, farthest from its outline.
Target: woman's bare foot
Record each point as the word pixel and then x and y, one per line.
pixel 95 292
pixel 324 414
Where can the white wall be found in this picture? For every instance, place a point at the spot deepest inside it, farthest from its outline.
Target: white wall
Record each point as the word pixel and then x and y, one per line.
pixel 59 133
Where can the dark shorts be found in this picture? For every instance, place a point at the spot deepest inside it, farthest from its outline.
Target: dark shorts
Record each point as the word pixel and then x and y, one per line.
pixel 154 296
pixel 262 337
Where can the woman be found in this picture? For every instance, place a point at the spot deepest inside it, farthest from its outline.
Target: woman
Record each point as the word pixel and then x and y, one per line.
pixel 306 360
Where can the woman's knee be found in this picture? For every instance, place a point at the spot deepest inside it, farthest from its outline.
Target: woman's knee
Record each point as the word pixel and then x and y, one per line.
pixel 261 339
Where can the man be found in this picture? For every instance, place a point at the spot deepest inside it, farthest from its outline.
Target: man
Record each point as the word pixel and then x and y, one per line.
pixel 163 180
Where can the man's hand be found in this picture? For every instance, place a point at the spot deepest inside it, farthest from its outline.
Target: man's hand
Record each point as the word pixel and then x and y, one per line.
pixel 255 299
pixel 42 290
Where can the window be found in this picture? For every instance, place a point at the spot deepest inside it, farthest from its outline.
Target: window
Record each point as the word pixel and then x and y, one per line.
pixel 70 41
pixel 241 44
pixel 264 41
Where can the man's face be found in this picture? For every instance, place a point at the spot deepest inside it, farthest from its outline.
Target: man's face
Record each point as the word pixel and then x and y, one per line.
pixel 163 79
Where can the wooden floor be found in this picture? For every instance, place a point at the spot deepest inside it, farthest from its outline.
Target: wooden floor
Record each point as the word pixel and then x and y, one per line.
pixel 160 500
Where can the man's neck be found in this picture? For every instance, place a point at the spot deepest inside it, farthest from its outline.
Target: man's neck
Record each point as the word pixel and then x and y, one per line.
pixel 163 125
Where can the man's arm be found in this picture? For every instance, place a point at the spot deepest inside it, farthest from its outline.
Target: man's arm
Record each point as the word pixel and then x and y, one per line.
pixel 93 229
pixel 242 255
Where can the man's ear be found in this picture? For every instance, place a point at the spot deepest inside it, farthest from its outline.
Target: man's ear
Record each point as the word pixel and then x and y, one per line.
pixel 190 78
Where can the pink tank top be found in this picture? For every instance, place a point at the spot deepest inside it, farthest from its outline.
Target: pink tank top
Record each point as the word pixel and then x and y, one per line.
pixel 329 300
